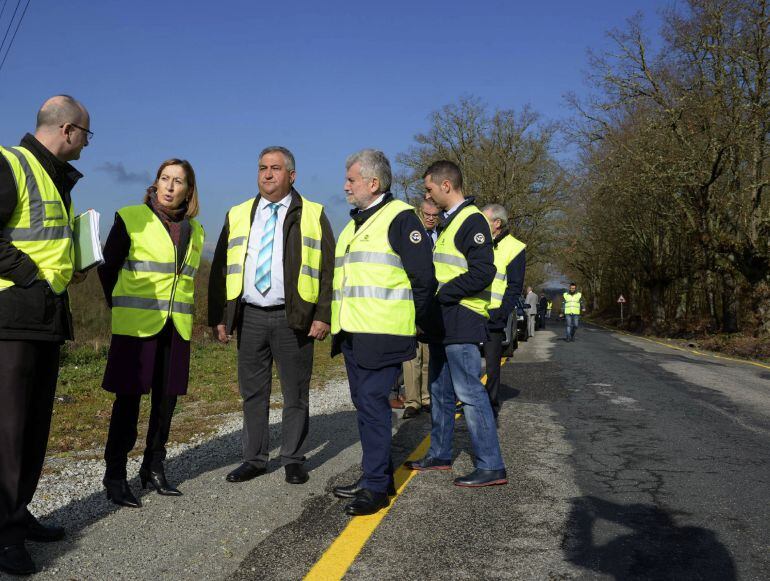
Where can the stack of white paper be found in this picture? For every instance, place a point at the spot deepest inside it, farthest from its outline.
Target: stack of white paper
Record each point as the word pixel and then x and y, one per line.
pixel 88 246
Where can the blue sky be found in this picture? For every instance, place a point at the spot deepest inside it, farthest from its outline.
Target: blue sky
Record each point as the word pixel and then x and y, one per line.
pixel 215 82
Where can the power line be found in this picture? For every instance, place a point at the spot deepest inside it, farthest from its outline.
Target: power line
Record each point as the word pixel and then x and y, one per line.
pixel 10 24
pixel 18 24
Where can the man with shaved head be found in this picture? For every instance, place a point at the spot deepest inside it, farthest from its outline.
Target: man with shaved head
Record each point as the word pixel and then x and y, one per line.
pixel 36 267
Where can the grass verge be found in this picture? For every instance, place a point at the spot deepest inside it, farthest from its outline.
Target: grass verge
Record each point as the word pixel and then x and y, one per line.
pixel 82 408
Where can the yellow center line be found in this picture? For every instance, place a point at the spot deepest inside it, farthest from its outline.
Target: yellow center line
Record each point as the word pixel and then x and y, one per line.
pixel 338 558
pixel 693 351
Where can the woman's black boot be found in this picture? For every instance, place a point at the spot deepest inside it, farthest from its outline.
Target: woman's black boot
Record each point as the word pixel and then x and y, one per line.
pixel 119 492
pixel 157 480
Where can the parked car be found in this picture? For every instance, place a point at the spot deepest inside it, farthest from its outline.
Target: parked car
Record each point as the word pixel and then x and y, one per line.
pixel 521 319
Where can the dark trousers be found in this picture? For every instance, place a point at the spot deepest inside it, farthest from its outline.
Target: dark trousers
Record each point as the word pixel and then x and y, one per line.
pixel 28 373
pixel 265 335
pixel 493 352
pixel 369 390
pixel 123 433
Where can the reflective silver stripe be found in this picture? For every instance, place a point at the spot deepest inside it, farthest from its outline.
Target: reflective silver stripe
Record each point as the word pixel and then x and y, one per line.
pixel 237 241
pixel 140 303
pixel 375 292
pixel 37 229
pixel 311 243
pixel 311 272
pixel 500 276
pixel 37 234
pixel 183 308
pixel 149 266
pixel 189 270
pixel 234 269
pixel 370 258
pixel 450 259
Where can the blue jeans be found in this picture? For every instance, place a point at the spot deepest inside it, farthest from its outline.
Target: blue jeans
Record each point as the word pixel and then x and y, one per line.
pixel 572 325
pixel 454 372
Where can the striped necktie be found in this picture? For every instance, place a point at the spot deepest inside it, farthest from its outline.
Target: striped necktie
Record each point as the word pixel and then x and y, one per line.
pixel 265 255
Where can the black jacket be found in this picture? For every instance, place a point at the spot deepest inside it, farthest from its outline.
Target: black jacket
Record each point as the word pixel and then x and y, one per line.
pixel 300 314
pixel 451 322
pixel 374 351
pixel 30 310
pixel 515 276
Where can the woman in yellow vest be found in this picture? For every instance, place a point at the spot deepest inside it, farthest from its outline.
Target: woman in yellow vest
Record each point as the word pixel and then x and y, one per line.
pixel 151 257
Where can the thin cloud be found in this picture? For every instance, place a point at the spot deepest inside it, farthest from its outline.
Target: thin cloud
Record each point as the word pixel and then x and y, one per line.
pixel 123 176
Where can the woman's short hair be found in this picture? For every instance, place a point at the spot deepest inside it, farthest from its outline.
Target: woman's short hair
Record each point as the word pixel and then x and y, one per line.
pixel 193 206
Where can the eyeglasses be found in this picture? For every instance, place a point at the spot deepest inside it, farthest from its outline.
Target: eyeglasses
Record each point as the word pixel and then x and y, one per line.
pixel 89 133
pixel 434 216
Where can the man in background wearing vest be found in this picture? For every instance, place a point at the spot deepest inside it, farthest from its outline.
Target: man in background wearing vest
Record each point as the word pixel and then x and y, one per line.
pixel 416 385
pixel 465 271
pixel 271 280
pixel 35 269
pixel 572 306
pixel 383 286
pixel 510 264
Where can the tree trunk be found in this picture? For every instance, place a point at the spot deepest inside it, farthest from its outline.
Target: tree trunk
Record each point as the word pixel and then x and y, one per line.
pixel 729 304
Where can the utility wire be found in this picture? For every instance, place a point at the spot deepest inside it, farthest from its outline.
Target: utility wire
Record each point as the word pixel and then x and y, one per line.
pixel 18 24
pixel 3 9
pixel 10 24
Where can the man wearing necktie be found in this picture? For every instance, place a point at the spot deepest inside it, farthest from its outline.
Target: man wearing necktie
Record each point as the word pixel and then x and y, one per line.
pixel 271 281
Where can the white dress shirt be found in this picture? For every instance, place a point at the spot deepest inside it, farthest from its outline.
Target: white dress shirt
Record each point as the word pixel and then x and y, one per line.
pixel 275 295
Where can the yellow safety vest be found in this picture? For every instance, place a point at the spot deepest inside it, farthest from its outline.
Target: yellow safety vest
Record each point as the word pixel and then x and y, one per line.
pixel 372 292
pixel 506 250
pixel 239 223
pixel 40 225
pixel 550 305
pixel 150 287
pixel 451 263
pixel 572 303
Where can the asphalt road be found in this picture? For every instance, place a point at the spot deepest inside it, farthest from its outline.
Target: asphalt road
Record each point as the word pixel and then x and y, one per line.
pixel 626 460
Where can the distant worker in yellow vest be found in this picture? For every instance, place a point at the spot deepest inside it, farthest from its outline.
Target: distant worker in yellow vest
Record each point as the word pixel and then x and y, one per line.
pixel 271 281
pixel 383 287
pixel 465 271
pixel 510 266
pixel 572 307
pixel 36 267
pixel 548 309
pixel 151 258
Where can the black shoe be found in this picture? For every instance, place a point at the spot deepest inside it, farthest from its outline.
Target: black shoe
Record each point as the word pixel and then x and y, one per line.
pixel 367 502
pixel 245 472
pixel 38 532
pixel 157 480
pixel 119 492
pixel 296 474
pixel 351 490
pixel 479 478
pixel 410 412
pixel 15 559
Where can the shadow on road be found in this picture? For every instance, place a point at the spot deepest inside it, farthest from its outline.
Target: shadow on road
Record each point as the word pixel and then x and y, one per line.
pixel 326 437
pixel 646 544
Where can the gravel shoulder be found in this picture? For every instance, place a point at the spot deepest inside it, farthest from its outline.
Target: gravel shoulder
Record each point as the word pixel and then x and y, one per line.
pixel 208 531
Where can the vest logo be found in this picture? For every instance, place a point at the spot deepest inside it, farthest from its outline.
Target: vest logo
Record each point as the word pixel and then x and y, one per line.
pixel 479 238
pixel 415 237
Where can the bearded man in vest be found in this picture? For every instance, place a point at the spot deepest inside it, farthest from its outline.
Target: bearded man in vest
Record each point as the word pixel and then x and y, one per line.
pixel 572 306
pixel 36 267
pixel 271 281
pixel 465 271
pixel 383 286
pixel 510 264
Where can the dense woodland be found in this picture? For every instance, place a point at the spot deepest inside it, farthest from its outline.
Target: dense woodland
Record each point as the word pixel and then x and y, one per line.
pixel 666 200
pixel 669 201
